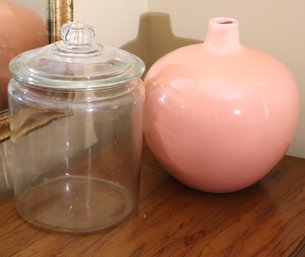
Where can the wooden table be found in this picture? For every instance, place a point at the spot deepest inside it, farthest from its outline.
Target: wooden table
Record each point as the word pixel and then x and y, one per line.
pixel 267 219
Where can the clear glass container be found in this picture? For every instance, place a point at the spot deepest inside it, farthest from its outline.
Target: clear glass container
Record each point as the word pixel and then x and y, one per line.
pixel 76 131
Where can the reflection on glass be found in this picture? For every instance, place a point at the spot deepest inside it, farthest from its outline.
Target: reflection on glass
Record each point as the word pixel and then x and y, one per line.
pixel 59 13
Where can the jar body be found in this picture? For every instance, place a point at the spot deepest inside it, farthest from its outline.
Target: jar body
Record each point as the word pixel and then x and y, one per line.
pixel 76 154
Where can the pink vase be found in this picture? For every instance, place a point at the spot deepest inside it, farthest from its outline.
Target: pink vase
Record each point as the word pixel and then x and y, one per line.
pixel 21 29
pixel 218 115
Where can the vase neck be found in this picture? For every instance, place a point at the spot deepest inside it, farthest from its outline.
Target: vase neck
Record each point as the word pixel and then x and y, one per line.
pixel 223 35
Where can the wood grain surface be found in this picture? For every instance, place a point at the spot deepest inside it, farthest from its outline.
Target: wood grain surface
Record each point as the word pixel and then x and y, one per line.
pixel 267 219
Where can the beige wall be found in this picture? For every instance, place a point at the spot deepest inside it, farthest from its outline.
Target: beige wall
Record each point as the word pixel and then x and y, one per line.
pixel 150 28
pixel 116 21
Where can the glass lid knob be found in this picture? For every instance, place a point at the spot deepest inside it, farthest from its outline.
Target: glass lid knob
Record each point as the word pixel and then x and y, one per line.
pixel 78 38
pixel 77 34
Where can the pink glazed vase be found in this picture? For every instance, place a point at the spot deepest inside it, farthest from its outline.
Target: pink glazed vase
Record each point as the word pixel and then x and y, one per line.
pixel 219 116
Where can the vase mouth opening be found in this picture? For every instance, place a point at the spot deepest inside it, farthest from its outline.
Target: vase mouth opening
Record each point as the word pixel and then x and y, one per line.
pixel 224 21
pixel 223 35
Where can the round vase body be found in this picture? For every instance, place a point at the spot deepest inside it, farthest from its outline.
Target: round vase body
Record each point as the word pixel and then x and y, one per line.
pixel 219 116
pixel 21 29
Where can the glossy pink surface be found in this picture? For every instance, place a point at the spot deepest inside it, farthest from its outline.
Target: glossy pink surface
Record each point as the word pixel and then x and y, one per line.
pixel 219 116
pixel 21 29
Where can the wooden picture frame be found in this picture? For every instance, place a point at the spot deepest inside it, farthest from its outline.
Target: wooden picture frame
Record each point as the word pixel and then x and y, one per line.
pixel 59 13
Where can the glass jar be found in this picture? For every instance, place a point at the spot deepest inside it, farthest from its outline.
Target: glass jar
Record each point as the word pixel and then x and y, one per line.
pixel 76 130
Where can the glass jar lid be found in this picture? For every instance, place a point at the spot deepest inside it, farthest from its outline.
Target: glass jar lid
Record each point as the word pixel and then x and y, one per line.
pixel 76 62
